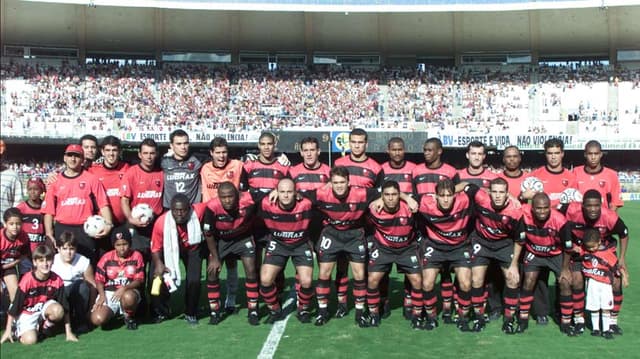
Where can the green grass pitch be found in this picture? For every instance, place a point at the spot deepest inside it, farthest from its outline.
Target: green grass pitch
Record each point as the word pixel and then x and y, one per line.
pixel 341 338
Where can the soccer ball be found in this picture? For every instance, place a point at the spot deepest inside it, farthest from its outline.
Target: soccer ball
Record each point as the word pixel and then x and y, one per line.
pixel 570 195
pixel 532 183
pixel 142 211
pixel 94 225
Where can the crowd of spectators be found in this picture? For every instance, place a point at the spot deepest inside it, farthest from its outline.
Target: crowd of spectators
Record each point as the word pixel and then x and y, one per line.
pixel 109 97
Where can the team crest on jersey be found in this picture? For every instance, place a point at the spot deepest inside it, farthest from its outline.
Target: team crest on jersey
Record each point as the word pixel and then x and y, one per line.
pixel 191 166
pixel 120 176
pixel 352 206
pixel 601 183
pixel 157 183
pixel 276 174
pixel 594 262
pixel 403 221
pixel 242 212
pixel 365 171
pixel 485 183
pixel 83 185
pixel 298 216
pixel 565 182
pixel 504 219
pixel 407 177
pixel 441 177
pixel 131 270
pixel 322 178
pixel 230 174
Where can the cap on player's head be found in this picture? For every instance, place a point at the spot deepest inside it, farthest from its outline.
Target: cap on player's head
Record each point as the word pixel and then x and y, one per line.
pixel 121 232
pixel 74 149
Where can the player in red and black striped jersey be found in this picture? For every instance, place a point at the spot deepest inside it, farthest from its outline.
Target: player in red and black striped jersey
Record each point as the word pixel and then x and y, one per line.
pixel 230 216
pixel 343 207
pixel 178 236
pixel 119 279
pixel 593 175
pixel 446 220
pixel 71 199
pixel 394 241
pixel 592 214
pixel 39 303
pixel 496 239
pixel 600 266
pixel 288 223
pixel 14 248
pixel 310 174
pixel 32 218
pixel 400 170
pixel 548 237
pixel 364 171
pixel 426 176
pixel 476 173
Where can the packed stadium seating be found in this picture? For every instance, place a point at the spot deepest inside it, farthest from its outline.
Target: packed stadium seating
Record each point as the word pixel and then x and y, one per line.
pixel 56 98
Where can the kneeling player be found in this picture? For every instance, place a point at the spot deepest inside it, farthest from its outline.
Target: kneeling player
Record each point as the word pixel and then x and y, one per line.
pixel 496 238
pixel 39 302
pixel 288 223
pixel 230 216
pixel 393 242
pixel 119 277
pixel 547 234
pixel 446 224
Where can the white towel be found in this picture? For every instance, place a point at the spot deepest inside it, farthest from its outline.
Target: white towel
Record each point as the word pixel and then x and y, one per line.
pixel 171 242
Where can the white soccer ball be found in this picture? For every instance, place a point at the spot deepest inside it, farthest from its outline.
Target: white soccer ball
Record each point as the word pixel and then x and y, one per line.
pixel 532 183
pixel 142 211
pixel 570 195
pixel 94 225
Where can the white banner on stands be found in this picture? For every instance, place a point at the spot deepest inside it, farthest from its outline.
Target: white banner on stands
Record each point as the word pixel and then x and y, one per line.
pixel 195 137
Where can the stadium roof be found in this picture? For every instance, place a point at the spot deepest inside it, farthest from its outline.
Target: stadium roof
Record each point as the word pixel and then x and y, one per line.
pixel 354 5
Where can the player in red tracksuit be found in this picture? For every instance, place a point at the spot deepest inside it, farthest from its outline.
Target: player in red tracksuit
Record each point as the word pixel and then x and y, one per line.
pixel 287 221
pixel 230 216
pixel 71 199
pixel 593 175
pixel 394 241
pixel 592 214
pixel 547 238
pixel 40 302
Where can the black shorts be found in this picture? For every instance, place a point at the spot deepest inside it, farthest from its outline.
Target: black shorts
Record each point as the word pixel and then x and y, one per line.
pixel 433 256
pixel 277 254
pixel 236 248
pixel 481 255
pixel 333 242
pixel 533 263
pixel 407 259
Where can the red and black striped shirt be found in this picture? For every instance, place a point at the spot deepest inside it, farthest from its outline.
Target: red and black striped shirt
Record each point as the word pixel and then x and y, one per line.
pixel 608 224
pixel 402 175
pixel 231 226
pixel 393 230
pixel 264 177
pixel 32 224
pixel 425 178
pixel 496 225
pixel 546 239
pixel 346 213
pixel 11 250
pixel 367 173
pixel 33 293
pixel 308 179
pixel 115 272
pixel 451 228
pixel 287 226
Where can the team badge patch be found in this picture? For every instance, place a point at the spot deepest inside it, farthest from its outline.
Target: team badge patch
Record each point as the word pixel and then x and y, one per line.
pixel 230 174
pixel 601 183
pixel 352 206
pixel 191 166
pixel 83 185
pixel 565 182
pixel 158 183
pixel 403 220
pixel 485 183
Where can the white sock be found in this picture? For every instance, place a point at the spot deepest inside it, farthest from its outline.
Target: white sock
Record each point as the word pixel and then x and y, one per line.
pixel 232 287
pixel 595 320
pixel 606 321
